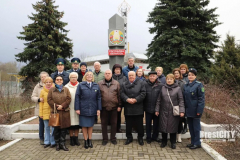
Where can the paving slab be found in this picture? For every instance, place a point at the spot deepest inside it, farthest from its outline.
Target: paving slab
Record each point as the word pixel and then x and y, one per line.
pixel 30 149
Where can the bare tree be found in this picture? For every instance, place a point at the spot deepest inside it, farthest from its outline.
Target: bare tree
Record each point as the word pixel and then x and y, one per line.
pixel 82 56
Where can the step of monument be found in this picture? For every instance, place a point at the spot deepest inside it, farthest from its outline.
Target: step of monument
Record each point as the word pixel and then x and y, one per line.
pixel 95 136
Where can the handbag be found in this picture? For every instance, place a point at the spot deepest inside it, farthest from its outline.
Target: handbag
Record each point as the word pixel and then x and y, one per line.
pixel 175 108
pixel 54 118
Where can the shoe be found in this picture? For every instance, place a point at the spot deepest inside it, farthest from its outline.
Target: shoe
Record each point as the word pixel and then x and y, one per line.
pixel 184 131
pixel 75 141
pixel 189 145
pixel 72 141
pixel 128 141
pixel 104 143
pixel 148 141
pixel 173 145
pixel 179 139
pixel 57 147
pixel 140 141
pixel 163 145
pixel 114 142
pixel 63 147
pixel 41 142
pixel 46 145
pixel 86 144
pixel 119 131
pixel 52 146
pixel 195 146
pixel 157 140
pixel 90 145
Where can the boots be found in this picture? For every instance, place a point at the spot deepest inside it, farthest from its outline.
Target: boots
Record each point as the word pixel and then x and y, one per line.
pixel 179 139
pixel 86 144
pixel 90 143
pixel 185 126
pixel 63 139
pixel 75 140
pixel 56 134
pixel 72 141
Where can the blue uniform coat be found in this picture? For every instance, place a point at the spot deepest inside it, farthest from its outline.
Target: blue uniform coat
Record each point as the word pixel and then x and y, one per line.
pixel 88 99
pixel 64 74
pixel 194 98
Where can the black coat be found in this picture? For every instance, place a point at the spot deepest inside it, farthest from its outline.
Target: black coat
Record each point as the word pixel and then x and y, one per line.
pixel 121 78
pixel 152 92
pixel 135 90
pixel 64 74
pixel 80 76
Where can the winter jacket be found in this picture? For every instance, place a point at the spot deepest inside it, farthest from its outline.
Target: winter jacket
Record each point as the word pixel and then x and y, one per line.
pixel 73 115
pixel 80 75
pixel 120 78
pixel 185 77
pixel 194 98
pixel 181 84
pixel 142 78
pixel 110 96
pixel 152 92
pixel 135 90
pixel 126 69
pixel 168 123
pixel 44 108
pixel 162 79
pixel 88 99
pixel 64 74
pixel 78 70
pixel 98 77
pixel 61 98
pixel 35 97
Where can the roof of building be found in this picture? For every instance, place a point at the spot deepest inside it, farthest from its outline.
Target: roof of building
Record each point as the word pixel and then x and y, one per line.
pixel 102 57
pixel 105 57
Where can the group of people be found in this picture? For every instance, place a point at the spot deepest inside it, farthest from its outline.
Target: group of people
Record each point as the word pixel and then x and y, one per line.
pixel 80 95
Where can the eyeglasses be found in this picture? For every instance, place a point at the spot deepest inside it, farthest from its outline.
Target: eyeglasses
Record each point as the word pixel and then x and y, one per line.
pixel 89 75
pixel 73 77
pixel 59 79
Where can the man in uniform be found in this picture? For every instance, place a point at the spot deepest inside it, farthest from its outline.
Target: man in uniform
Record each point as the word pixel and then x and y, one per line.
pixel 75 66
pixel 60 62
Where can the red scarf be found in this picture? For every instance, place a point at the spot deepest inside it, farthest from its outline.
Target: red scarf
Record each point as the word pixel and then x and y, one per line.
pixel 83 73
pixel 73 84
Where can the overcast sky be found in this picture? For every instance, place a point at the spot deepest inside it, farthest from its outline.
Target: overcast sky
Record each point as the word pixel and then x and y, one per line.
pixel 88 23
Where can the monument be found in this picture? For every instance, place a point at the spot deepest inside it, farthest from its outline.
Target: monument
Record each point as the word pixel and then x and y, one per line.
pixel 116 40
pixel 124 9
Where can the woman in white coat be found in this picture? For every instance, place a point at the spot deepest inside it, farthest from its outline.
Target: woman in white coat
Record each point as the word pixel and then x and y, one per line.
pixel 74 129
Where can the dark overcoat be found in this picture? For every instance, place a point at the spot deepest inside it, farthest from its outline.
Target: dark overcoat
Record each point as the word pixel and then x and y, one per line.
pixel 168 123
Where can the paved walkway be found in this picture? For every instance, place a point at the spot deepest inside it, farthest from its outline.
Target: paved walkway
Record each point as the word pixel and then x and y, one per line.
pixel 30 149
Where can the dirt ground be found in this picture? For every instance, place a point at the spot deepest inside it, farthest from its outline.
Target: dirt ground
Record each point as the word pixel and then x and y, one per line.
pixel 230 150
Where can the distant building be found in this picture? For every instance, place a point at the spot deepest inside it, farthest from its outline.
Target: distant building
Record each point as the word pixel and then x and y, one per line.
pixel 104 60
